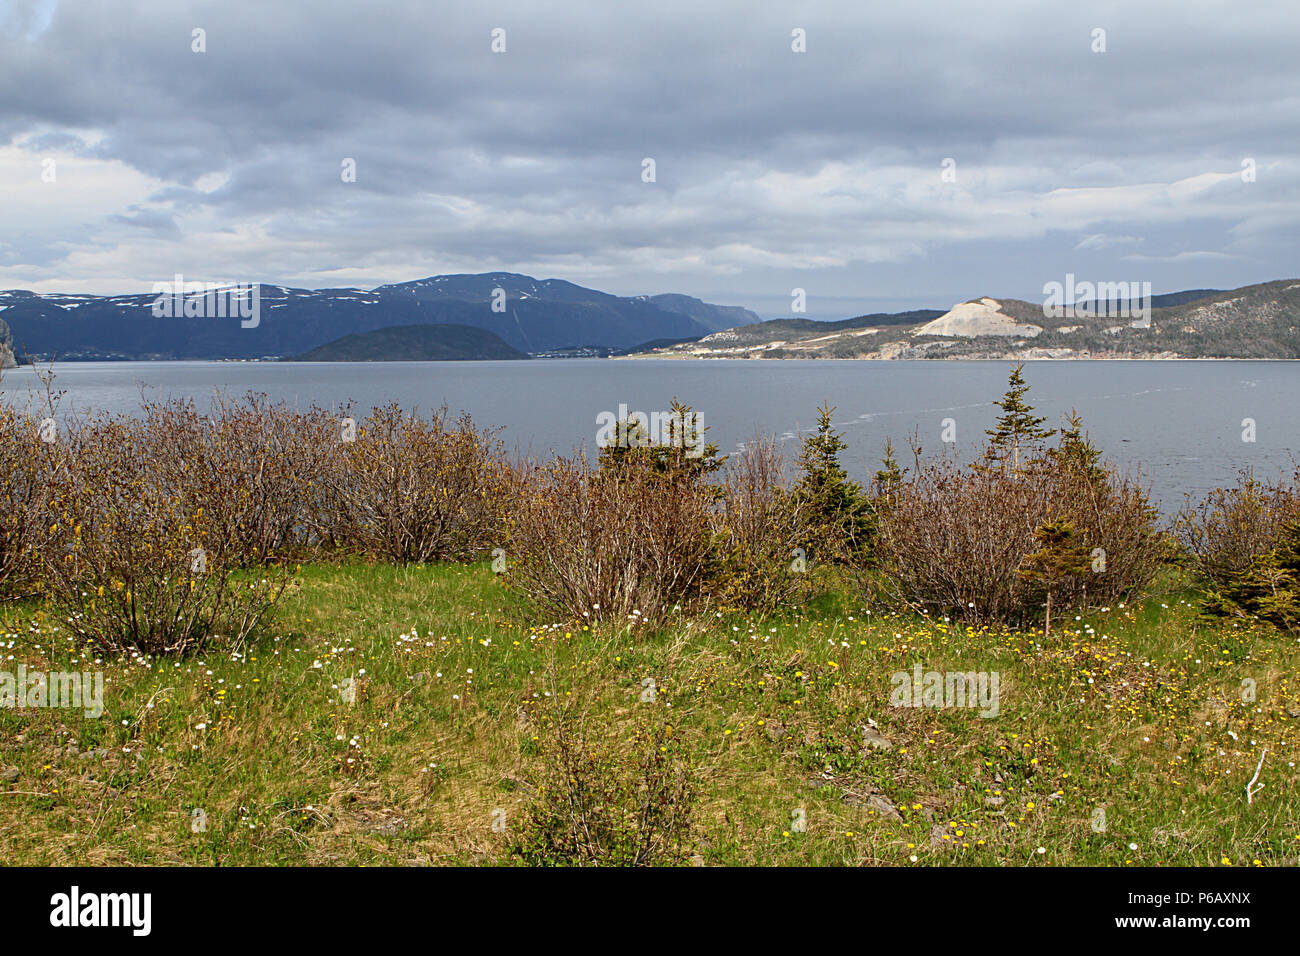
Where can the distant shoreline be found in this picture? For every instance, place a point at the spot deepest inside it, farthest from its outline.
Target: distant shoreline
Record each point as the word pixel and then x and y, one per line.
pixel 938 359
pixel 626 358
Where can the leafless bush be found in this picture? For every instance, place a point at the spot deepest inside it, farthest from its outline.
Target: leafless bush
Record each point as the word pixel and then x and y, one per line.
pixel 131 560
pixel 27 468
pixel 590 542
pixel 1226 531
pixel 1117 521
pixel 250 466
pixel 263 462
pixel 758 532
pixel 953 540
pixel 410 489
pixel 605 800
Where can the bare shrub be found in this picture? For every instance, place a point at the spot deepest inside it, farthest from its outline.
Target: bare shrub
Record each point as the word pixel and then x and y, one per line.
pixel 131 560
pixel 1229 529
pixel 954 540
pixel 262 463
pixel 591 542
pixel 410 489
pixel 27 467
pixel 605 800
pixel 951 541
pixel 759 530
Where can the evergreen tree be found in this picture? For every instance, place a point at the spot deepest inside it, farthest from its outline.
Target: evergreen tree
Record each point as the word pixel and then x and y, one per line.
pixel 889 476
pixel 840 518
pixel 1017 427
pixel 680 455
pixel 1059 557
pixel 1268 589
pixel 1076 451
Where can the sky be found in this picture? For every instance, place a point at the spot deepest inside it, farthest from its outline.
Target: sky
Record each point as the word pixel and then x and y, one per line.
pixel 912 155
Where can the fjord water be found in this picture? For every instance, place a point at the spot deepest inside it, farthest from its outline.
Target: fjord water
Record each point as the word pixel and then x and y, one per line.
pixel 1180 424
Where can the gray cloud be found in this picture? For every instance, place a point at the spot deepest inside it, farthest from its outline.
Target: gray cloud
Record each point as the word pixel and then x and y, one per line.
pixel 775 169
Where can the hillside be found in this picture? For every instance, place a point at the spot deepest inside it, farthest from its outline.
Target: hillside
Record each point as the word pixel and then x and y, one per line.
pixel 1253 322
pixel 552 316
pixel 414 343
pixel 530 315
pixel 6 347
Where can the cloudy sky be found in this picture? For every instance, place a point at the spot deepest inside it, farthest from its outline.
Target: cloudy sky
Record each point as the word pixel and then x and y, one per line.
pixel 126 156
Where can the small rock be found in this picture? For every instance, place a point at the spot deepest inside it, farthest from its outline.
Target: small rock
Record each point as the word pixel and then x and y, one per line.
pixel 885 809
pixel 9 776
pixel 854 799
pixel 389 827
pixel 872 739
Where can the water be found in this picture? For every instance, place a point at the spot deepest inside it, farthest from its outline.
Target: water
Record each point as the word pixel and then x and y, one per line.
pixel 1178 423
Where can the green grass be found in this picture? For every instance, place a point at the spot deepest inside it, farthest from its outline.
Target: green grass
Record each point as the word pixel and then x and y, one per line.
pixel 1136 711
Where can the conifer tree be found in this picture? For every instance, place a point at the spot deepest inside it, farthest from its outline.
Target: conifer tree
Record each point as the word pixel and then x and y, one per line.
pixel 1077 452
pixel 840 515
pixel 1059 557
pixel 889 476
pixel 1268 589
pixel 1017 427
pixel 682 454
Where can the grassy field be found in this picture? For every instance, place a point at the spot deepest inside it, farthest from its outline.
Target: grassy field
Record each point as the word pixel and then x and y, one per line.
pixel 1122 740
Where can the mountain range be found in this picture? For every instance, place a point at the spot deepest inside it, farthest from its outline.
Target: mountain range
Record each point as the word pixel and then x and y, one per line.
pixel 1253 322
pixel 529 315
pixel 506 315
